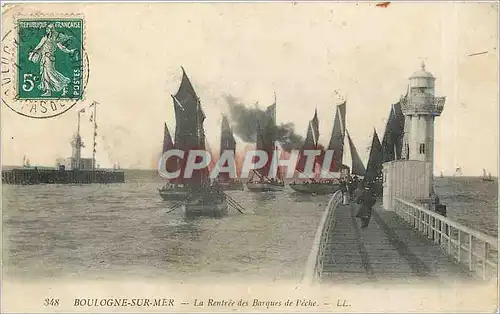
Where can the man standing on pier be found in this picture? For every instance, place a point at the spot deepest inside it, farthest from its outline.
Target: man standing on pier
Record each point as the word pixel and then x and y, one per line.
pixel 366 201
pixel 433 201
pixel 353 186
pixel 343 189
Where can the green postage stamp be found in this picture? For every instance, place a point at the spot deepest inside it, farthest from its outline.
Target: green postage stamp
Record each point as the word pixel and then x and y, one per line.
pixel 50 59
pixel 45 68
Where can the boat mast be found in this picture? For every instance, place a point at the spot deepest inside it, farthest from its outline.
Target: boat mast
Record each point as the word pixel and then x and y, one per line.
pixel 275 146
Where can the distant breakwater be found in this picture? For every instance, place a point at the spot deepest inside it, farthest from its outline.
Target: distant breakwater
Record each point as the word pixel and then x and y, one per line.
pixel 52 176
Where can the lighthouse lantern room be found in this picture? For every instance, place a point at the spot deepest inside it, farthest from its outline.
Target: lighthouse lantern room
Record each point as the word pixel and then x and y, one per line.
pixel 412 177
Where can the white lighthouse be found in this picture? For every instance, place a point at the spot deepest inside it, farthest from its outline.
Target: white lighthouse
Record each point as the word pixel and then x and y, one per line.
pixel 412 177
pixel 420 108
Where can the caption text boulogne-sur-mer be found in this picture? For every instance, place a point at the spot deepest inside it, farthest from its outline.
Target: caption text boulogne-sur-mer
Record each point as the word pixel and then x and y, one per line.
pixel 124 302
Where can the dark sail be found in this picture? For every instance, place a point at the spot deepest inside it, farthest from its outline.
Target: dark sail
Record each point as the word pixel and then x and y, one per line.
pixel 271 114
pixel 374 166
pixel 309 144
pixel 260 144
pixel 167 140
pixel 387 141
pixel 317 146
pixel 338 133
pixel 227 143
pixel 357 165
pixel 315 127
pixel 270 128
pixel 172 164
pixel 266 137
pixel 189 134
pixel 392 141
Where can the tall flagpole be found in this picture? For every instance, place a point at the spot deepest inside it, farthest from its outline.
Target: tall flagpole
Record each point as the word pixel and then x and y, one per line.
pixel 78 144
pixel 95 134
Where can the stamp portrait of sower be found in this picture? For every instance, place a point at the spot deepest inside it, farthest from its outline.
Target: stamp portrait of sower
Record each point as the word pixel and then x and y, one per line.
pixel 44 54
pixel 50 59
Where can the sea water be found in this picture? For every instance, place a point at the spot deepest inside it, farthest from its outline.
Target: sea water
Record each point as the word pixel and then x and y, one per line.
pixel 123 230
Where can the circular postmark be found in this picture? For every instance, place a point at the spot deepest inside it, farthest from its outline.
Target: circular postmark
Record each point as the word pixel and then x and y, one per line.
pixel 45 68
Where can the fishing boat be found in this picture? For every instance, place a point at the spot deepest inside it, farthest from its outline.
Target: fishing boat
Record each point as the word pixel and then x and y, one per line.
pixel 261 180
pixel 233 185
pixel 265 185
pixel 228 143
pixel 487 177
pixel 204 198
pixel 172 190
pixel 328 185
pixel 315 187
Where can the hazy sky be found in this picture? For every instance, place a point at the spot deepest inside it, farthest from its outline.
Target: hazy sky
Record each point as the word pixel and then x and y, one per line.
pixel 304 51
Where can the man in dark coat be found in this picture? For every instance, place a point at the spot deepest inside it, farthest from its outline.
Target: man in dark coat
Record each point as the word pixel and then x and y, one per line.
pixel 353 186
pixel 366 201
pixel 343 189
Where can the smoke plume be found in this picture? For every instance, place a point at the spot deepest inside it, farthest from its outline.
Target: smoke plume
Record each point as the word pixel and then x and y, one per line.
pixel 246 118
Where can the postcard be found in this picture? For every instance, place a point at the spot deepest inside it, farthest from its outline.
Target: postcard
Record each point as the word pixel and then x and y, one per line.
pixel 249 157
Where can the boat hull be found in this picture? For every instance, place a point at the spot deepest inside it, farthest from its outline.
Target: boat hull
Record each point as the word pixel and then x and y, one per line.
pixel 264 187
pixel 173 194
pixel 232 186
pixel 207 209
pixel 315 188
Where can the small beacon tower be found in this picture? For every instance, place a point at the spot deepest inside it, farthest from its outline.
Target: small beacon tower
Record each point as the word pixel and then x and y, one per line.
pixel 76 147
pixel 412 177
pixel 420 108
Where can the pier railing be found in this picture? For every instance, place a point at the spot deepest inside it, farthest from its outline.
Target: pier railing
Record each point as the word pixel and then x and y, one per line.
pixel 314 266
pixel 473 249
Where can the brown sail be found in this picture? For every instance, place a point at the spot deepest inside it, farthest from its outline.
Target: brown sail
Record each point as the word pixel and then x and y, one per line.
pixel 266 137
pixel 199 196
pixel 227 143
pixel 357 164
pixel 392 142
pixel 266 141
pixel 173 162
pixel 310 143
pixel 374 165
pixel 190 134
pixel 338 134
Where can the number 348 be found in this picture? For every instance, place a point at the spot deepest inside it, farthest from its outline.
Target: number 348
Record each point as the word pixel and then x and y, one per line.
pixel 51 302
